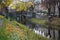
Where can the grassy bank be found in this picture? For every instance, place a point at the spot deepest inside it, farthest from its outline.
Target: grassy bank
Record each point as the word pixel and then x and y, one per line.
pixel 12 30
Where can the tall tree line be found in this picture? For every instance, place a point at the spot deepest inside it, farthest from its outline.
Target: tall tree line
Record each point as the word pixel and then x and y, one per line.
pixel 52 4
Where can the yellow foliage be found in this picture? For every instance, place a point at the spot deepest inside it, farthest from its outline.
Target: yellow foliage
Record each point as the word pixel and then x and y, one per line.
pixel 14 7
pixel 29 4
pixel 8 2
pixel 24 6
pixel 21 6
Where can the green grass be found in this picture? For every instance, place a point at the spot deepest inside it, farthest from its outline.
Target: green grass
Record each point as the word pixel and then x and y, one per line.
pixel 3 36
pixel 29 34
pixel 38 21
pixel 1 17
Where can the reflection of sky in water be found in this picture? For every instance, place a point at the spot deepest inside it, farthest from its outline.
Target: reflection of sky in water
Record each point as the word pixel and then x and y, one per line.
pixel 28 0
pixel 24 0
pixel 37 1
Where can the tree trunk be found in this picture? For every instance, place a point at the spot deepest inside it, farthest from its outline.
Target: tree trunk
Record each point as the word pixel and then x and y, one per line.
pixel 59 34
pixel 49 11
pixel 6 11
pixel 53 29
pixel 33 15
pixel 54 12
pixel 49 31
pixel 22 17
pixel 53 34
pixel 49 22
pixel 59 17
pixel 59 12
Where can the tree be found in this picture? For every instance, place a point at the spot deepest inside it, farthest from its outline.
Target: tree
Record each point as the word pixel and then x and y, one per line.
pixel 5 4
pixel 21 6
pixel 54 3
pixel 8 2
pixel 49 4
pixel 28 4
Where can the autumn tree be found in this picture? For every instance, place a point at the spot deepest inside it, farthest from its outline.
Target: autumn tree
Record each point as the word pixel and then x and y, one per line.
pixel 5 4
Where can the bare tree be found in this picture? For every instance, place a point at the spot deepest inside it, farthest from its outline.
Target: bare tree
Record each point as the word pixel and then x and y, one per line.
pixel 49 4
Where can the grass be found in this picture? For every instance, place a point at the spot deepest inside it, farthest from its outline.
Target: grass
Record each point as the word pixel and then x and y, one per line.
pixel 37 21
pixel 12 30
pixel 3 36
pixel 1 17
pixel 30 35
